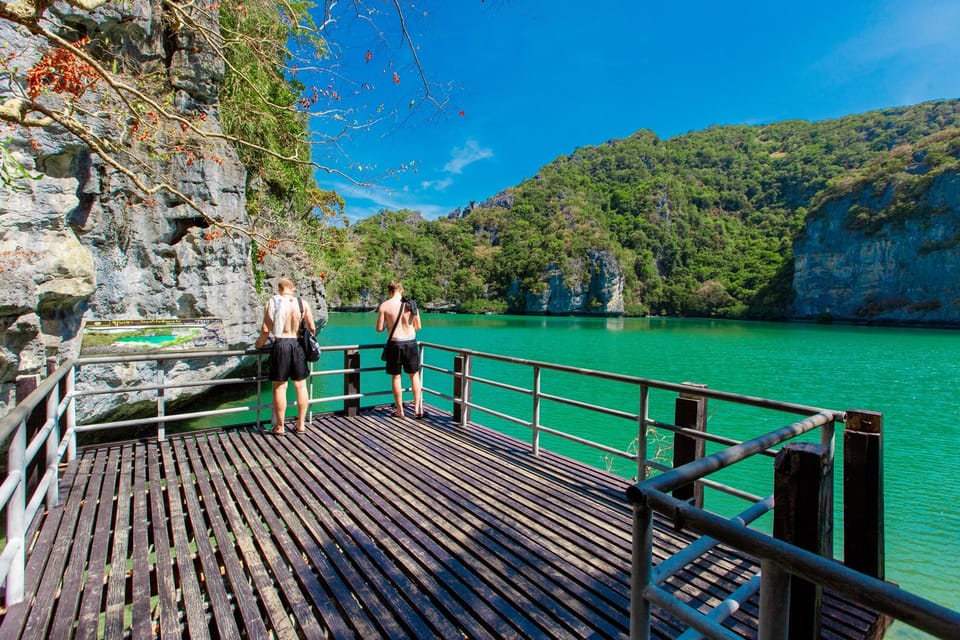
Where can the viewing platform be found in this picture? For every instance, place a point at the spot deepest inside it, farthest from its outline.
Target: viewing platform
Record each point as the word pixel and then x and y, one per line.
pixel 370 526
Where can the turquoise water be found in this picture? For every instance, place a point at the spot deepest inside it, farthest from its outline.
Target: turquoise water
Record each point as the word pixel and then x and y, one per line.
pixel 909 375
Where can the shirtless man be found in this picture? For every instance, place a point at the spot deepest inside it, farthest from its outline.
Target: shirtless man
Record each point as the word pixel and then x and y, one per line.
pixel 403 352
pixel 281 321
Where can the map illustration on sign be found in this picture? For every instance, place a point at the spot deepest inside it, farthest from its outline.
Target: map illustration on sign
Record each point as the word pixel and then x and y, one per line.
pixel 106 337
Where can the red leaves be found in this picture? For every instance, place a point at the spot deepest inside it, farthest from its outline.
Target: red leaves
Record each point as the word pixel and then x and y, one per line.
pixel 62 72
pixel 396 78
pixel 367 58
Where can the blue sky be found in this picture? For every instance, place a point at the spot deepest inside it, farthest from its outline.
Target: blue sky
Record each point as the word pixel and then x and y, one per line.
pixel 525 81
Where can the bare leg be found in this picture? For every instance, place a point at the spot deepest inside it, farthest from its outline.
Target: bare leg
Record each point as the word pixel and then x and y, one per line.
pixel 303 402
pixel 398 394
pixel 416 383
pixel 279 404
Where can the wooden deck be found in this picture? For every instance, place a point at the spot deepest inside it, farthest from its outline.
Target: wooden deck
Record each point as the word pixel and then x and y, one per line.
pixel 368 527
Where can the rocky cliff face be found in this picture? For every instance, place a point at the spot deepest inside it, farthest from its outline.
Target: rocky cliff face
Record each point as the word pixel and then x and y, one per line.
pixel 599 290
pixel 82 243
pixel 905 271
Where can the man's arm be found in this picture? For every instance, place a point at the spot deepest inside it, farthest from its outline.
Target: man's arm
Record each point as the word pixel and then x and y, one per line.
pixel 265 328
pixel 381 320
pixel 308 319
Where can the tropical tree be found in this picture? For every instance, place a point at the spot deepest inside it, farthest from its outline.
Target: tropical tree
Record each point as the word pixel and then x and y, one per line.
pixel 84 78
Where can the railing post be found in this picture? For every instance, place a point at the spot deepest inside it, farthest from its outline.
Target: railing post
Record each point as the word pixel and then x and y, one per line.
pixel 641 570
pixel 51 446
pixel 863 526
pixel 351 382
pixel 16 514
pixel 457 388
pixel 461 389
pixel 642 433
pixel 161 401
pixel 690 412
pixel 802 502
pixel 260 390
pixel 774 601
pixel 27 384
pixel 828 440
pixel 536 411
pixel 71 425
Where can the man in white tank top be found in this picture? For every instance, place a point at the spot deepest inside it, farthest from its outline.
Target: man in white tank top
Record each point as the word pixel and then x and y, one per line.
pixel 280 328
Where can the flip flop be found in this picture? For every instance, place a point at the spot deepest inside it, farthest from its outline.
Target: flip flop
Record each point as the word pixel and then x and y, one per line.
pixel 278 432
pixel 396 415
pixel 420 416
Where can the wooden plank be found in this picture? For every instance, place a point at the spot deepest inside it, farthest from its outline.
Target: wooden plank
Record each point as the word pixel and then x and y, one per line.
pixel 142 623
pixel 239 583
pixel 427 499
pixel 287 566
pixel 96 569
pixel 359 576
pixel 43 554
pixel 341 576
pixel 168 605
pixel 69 597
pixel 190 598
pixel 216 591
pixel 479 480
pixel 425 505
pixel 393 579
pixel 230 495
pixel 122 530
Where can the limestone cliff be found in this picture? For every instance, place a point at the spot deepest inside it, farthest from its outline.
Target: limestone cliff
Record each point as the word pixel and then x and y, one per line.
pixel 596 290
pixel 902 269
pixel 82 243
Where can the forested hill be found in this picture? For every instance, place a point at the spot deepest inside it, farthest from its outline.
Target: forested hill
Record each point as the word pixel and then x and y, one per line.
pixel 700 224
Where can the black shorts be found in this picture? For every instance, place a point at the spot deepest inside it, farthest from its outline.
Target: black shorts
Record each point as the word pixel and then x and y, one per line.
pixel 403 354
pixel 287 360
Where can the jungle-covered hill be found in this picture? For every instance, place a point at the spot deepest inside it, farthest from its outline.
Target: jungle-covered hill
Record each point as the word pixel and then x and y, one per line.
pixel 700 224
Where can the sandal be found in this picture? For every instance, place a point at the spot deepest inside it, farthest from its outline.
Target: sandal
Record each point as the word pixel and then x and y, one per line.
pixel 279 431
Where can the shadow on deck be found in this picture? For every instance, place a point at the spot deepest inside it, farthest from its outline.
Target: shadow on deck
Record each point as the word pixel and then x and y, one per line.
pixel 362 527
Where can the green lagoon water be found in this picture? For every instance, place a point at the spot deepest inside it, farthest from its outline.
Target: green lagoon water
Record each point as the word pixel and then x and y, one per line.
pixel 909 375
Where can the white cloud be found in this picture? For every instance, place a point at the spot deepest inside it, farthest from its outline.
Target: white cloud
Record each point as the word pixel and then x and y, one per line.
pixel 364 202
pixel 466 155
pixel 436 185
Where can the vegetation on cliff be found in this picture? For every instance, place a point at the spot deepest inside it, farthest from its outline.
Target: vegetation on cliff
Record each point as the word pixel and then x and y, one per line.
pixel 702 224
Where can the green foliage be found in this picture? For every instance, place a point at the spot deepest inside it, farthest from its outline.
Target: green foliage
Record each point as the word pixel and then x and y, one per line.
pixel 12 173
pixel 702 224
pixel 260 103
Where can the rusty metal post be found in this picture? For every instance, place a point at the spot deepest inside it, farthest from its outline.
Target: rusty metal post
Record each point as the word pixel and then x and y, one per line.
pixel 863 527
pixel 690 412
pixel 802 504
pixel 351 382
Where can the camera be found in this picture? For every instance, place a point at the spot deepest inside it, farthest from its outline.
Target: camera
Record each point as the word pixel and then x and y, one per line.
pixel 410 303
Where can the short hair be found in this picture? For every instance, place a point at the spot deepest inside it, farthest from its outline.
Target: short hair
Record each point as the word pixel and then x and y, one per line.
pixel 286 283
pixel 394 286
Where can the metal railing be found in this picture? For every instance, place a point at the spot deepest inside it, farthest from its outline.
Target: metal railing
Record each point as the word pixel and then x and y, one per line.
pixel 533 382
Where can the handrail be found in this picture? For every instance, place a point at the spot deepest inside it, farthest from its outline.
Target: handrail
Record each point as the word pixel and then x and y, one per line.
pixel 881 596
pixel 20 413
pixel 647 496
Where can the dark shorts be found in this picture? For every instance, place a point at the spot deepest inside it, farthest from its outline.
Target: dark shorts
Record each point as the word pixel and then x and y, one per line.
pixel 403 354
pixel 287 360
